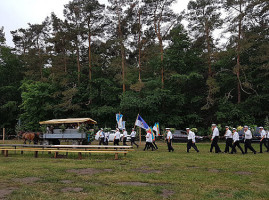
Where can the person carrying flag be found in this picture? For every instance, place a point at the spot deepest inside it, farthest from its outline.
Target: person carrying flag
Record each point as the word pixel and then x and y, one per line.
pixel 169 138
pixel 191 141
pixel 133 134
pixel 148 144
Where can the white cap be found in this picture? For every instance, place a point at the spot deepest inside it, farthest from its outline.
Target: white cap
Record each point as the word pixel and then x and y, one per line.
pixel 226 126
pixel 187 128
pixel 234 128
pixel 101 128
pixel 245 126
pixel 167 128
pixel 213 125
pixel 260 127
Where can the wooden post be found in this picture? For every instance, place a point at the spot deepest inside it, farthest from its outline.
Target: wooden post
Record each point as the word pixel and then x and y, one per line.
pixel 55 154
pixel 79 155
pixel 139 135
pixel 4 130
pixel 116 156
pixel 36 154
pixel 6 153
pixel 3 152
pixel 21 152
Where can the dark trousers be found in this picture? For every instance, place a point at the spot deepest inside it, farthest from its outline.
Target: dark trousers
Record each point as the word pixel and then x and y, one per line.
pixel 248 146
pixel 169 145
pixel 154 145
pixel 148 145
pixel 214 143
pixel 263 142
pixel 268 143
pixel 133 141
pixel 124 141
pixel 191 144
pixel 236 144
pixel 102 141
pixel 116 142
pixel 229 143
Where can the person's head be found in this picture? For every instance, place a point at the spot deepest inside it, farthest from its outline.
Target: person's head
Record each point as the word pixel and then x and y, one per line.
pixel 234 130
pixel 213 125
pixel 227 128
pixel 245 128
pixel 261 128
pixel 101 129
pixel 188 130
pixel 117 129
pixel 167 129
pixel 132 129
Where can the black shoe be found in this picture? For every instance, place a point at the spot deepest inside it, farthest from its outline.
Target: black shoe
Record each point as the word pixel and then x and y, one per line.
pixel 198 151
pixel 260 152
pixel 254 152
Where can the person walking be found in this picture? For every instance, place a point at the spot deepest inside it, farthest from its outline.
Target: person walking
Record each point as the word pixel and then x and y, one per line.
pixel 148 144
pixel 229 139
pixel 124 139
pixel 153 141
pixel 263 139
pixel 117 137
pixel 101 135
pixel 248 138
pixel 169 138
pixel 191 140
pixel 215 139
pixel 236 142
pixel 268 140
pixel 133 135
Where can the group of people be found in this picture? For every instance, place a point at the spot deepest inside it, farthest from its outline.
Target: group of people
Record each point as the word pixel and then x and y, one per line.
pixel 232 139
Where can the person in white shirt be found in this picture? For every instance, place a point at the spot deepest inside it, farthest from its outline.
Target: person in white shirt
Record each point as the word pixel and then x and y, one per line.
pixel 268 140
pixel 148 144
pixel 133 135
pixel 124 139
pixel 169 138
pixel 101 135
pixel 236 142
pixel 106 138
pixel 191 140
pixel 117 137
pixel 248 137
pixel 263 139
pixel 215 139
pixel 229 139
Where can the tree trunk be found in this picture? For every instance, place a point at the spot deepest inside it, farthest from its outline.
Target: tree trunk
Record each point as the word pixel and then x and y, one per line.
pixel 139 47
pixel 208 50
pixel 90 62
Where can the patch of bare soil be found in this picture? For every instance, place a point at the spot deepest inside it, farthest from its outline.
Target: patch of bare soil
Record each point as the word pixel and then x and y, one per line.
pixel 148 171
pixel 192 166
pixel 243 173
pixel 71 189
pixel 214 170
pixel 88 171
pixel 167 193
pixel 5 192
pixel 133 183
pixel 27 180
pixel 66 181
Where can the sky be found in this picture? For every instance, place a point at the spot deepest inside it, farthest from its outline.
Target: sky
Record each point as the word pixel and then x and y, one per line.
pixel 15 14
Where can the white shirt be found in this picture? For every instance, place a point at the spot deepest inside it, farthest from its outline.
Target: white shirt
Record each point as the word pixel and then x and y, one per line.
pixel 149 137
pixel 228 134
pixel 100 134
pixel 248 134
pixel 191 136
pixel 235 136
pixel 124 133
pixel 117 135
pixel 169 135
pixel 215 133
pixel 133 134
pixel 268 134
pixel 107 135
pixel 263 134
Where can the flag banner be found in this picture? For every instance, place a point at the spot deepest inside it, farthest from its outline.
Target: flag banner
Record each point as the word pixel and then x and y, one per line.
pixel 119 120
pixel 152 134
pixel 123 124
pixel 141 123
pixel 156 128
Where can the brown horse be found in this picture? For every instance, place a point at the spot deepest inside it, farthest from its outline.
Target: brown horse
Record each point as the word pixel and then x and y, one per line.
pixel 30 136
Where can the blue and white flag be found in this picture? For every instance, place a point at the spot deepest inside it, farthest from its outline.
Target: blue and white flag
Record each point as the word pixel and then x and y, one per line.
pixel 119 120
pixel 123 124
pixel 141 123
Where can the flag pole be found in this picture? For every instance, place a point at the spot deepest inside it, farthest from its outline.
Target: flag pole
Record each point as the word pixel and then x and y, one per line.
pixel 139 130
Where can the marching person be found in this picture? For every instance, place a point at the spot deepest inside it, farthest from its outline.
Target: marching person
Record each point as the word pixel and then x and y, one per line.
pixel 101 135
pixel 148 144
pixel 169 138
pixel 268 140
pixel 263 139
pixel 191 140
pixel 106 137
pixel 236 142
pixel 248 138
pixel 229 139
pixel 124 139
pixel 133 134
pixel 117 137
pixel 153 141
pixel 215 139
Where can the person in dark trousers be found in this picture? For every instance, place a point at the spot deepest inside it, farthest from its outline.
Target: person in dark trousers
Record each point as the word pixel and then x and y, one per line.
pixel 215 139
pixel 133 135
pixel 248 138
pixel 124 139
pixel 148 144
pixel 236 142
pixel 169 138
pixel 153 140
pixel 229 139
pixel 101 135
pixel 117 137
pixel 191 141
pixel 263 139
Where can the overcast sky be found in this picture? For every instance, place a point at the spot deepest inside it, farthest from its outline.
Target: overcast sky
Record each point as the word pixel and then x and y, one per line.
pixel 15 14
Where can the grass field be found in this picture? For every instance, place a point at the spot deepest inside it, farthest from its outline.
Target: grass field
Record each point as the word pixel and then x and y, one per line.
pixel 139 175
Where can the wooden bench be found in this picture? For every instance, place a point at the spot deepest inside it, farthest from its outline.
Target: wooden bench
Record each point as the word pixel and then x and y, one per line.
pixel 56 151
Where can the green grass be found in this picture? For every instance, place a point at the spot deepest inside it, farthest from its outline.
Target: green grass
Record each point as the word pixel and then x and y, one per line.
pixel 186 176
